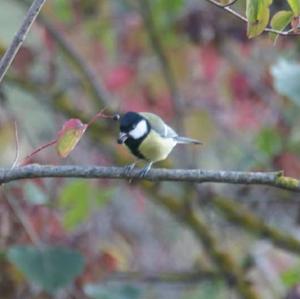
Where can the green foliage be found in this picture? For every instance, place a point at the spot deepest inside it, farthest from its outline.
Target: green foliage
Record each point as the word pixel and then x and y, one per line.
pixel 269 142
pixel 286 76
pixel 291 276
pixel 258 14
pixel 112 292
pixel 51 268
pixel 78 198
pixel 295 6
pixel 164 12
pixel 281 19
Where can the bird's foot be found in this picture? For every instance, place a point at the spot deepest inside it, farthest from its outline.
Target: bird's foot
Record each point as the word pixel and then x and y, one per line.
pixel 129 168
pixel 145 170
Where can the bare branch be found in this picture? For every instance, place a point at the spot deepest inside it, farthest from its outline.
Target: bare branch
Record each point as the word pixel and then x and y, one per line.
pixel 20 36
pixel 146 12
pixel 95 87
pixel 16 160
pixel 275 179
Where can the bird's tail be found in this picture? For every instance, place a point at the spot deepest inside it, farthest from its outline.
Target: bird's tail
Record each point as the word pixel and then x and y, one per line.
pixel 186 140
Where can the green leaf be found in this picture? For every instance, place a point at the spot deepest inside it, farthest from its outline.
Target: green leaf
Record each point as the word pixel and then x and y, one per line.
pixel 51 268
pixel 286 76
pixel 291 276
pixel 69 136
pixel 295 6
pixel 112 292
pixel 281 19
pixel 258 14
pixel 78 199
pixel 269 142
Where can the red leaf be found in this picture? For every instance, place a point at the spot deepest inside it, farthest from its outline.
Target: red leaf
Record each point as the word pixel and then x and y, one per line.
pixel 210 62
pixel 69 136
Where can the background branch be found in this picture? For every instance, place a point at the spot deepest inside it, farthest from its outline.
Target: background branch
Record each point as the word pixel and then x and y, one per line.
pixel 241 216
pixel 163 277
pixel 232 273
pixel 146 12
pixel 19 37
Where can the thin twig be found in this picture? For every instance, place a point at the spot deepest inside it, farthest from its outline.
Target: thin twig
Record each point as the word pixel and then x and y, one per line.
pixel 22 218
pixel 42 147
pixel 241 17
pixel 17 146
pixel 20 36
pixel 274 179
pixel 225 5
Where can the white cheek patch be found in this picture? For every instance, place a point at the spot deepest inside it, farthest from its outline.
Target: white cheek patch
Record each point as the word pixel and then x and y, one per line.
pixel 139 131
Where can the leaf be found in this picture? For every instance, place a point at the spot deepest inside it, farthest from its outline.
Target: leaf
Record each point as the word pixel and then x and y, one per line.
pixel 258 14
pixel 69 136
pixel 295 6
pixel 51 268
pixel 269 141
pixel 286 76
pixel 112 292
pixel 78 199
pixel 291 276
pixel 281 19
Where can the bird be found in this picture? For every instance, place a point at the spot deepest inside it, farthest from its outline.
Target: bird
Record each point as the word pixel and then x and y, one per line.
pixel 148 138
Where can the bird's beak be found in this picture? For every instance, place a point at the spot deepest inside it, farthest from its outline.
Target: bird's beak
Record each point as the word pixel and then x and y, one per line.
pixel 122 137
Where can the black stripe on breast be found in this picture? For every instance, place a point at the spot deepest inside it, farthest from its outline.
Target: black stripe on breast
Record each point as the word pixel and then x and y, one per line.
pixel 133 146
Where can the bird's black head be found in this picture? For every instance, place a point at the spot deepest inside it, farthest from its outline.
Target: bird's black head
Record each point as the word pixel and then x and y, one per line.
pixel 134 127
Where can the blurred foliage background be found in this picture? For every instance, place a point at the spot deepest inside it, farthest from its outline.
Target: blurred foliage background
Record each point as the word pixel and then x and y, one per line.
pixel 193 64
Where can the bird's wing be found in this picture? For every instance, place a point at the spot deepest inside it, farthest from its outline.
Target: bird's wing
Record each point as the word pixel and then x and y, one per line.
pixel 159 126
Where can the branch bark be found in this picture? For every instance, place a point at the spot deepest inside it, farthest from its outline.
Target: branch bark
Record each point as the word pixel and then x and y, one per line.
pixel 274 179
pixel 189 277
pixel 19 37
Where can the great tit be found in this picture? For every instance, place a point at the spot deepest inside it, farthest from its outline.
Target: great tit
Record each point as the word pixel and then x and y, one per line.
pixel 148 138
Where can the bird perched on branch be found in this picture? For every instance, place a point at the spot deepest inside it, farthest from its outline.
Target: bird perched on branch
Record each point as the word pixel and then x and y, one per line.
pixel 148 138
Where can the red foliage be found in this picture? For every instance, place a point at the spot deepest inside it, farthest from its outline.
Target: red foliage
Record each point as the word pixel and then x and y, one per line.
pixel 210 61
pixel 119 77
pixel 289 162
pixel 46 223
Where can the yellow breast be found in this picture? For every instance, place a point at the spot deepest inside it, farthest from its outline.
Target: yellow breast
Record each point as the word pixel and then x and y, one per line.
pixel 155 148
